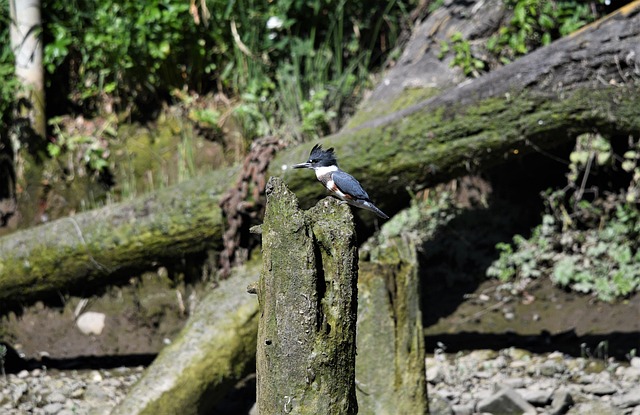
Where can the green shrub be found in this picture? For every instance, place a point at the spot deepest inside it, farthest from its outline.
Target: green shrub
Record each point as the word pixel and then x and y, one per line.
pixel 589 246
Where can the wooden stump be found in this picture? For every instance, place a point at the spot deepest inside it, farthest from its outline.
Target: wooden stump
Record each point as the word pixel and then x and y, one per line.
pixel 307 296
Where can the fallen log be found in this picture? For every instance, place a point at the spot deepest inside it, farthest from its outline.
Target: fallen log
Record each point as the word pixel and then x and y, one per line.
pixel 214 351
pixel 581 83
pixel 103 246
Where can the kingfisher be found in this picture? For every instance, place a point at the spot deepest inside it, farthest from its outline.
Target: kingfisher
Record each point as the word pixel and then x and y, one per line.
pixel 338 182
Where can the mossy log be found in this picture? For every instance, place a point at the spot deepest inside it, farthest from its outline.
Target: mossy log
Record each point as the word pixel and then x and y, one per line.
pixel 582 83
pixel 308 300
pixel 585 82
pixel 390 368
pixel 214 351
pixel 103 246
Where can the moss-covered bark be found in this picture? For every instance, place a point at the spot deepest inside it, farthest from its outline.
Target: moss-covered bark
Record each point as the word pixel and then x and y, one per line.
pixel 213 352
pixel 98 247
pixel 390 367
pixel 307 293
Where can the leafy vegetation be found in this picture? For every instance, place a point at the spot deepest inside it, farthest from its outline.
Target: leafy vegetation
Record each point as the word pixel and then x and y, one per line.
pixel 302 58
pixel 586 242
pixel 533 23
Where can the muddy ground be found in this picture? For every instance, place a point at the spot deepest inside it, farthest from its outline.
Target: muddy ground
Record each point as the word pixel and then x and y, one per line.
pixel 145 315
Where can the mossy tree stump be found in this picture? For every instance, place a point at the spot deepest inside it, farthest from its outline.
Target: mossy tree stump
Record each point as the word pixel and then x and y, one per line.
pixel 390 367
pixel 307 296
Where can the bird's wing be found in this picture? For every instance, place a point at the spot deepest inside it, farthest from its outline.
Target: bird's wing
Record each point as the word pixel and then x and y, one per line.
pixel 349 185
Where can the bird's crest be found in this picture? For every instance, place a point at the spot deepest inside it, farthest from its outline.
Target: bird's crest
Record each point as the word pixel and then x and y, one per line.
pixel 318 153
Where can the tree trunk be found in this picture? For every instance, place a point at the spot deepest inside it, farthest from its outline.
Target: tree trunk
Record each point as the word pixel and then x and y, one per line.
pixel 584 82
pixel 26 43
pixel 214 351
pixel 390 368
pixel 308 299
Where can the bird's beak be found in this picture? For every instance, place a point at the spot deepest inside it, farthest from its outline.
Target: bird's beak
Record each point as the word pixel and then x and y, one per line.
pixel 302 166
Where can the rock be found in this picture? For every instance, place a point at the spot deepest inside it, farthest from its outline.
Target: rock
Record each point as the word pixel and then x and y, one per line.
pixel 56 397
pixel 514 383
pixel 23 374
pixel 600 389
pixel 19 392
pixel 635 362
pixel 629 399
pixel 631 373
pixel 52 408
pixel 435 374
pixel 439 406
pixel 551 367
pixel 91 322
pixel 95 393
pixel 66 412
pixel 463 409
pixel 537 397
pixel 506 401
pixel 594 407
pixel 562 400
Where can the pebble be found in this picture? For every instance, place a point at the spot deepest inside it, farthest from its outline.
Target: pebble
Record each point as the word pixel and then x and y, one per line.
pixel 517 381
pixel 63 393
pixel 91 322
pixel 460 384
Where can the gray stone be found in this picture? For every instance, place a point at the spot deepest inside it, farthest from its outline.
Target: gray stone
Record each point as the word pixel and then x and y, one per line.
pixel 551 367
pixel 23 374
pixel 537 397
pixel 439 406
pixel 19 392
pixel 635 362
pixel 600 389
pixel 66 412
pixel 594 407
pixel 435 374
pixel 562 400
pixel 95 393
pixel 506 401
pixel 629 399
pixel 466 409
pixel 56 397
pixel 52 408
pixel 514 383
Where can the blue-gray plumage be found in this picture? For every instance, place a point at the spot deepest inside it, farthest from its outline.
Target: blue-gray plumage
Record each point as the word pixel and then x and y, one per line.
pixel 337 181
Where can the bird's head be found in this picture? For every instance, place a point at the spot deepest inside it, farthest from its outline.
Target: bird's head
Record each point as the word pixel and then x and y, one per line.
pixel 318 158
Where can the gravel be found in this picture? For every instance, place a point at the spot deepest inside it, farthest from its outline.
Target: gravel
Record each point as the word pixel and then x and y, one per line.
pixel 507 381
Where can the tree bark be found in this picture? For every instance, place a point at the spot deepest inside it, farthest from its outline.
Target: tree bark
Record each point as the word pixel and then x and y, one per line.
pixel 581 83
pixel 26 43
pixel 308 299
pixel 214 351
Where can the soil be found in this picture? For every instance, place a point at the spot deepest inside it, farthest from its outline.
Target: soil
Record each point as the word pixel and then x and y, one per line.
pixel 143 316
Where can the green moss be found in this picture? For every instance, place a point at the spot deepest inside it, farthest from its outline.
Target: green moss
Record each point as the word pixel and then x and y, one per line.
pixel 376 109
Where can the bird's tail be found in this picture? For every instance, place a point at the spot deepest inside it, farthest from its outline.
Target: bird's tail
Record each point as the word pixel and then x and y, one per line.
pixel 370 206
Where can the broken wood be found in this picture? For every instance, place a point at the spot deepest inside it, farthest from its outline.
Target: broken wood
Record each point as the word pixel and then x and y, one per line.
pixel 213 352
pixel 308 299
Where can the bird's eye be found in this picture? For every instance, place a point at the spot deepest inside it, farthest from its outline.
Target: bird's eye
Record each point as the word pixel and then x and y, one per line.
pixel 312 160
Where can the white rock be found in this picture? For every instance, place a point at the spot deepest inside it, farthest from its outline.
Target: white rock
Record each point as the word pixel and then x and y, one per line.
pixel 91 322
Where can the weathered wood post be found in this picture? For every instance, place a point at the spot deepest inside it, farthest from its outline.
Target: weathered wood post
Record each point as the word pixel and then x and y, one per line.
pixel 307 297
pixel 391 355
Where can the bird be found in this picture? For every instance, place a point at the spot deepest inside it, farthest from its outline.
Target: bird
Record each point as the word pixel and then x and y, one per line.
pixel 338 182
